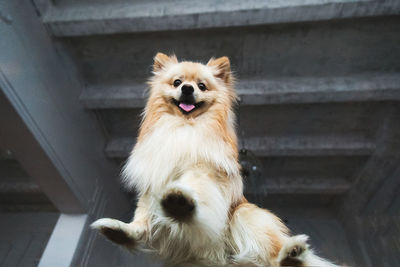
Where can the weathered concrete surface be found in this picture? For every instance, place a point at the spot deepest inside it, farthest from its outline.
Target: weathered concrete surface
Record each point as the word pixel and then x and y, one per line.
pixel 300 185
pixel 312 50
pixel 334 119
pixel 326 167
pixel 88 18
pixel 17 190
pixel 372 191
pixel 324 119
pixel 355 88
pixel 22 243
pixel 376 239
pixel 268 146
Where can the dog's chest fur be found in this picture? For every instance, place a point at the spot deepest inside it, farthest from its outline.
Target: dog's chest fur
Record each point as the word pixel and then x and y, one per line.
pixel 173 145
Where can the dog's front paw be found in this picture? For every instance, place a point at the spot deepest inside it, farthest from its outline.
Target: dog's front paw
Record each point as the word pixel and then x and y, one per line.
pixel 292 253
pixel 118 232
pixel 178 204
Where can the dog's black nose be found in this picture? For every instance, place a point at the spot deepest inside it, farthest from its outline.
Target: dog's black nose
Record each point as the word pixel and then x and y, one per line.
pixel 178 206
pixel 187 89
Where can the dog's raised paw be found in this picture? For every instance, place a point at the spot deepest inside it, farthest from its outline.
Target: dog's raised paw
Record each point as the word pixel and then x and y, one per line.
pixel 116 231
pixel 292 253
pixel 296 251
pixel 178 204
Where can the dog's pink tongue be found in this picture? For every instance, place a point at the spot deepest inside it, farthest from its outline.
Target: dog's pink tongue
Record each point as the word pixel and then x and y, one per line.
pixel 186 107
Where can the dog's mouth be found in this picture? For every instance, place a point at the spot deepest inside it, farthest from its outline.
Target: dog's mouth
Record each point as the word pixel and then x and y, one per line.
pixel 186 107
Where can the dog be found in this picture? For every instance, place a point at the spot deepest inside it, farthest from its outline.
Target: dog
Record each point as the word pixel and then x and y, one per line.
pixel 191 209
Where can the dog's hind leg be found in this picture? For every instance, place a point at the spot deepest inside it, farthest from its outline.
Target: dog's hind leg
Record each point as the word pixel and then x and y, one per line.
pixel 128 235
pixel 257 236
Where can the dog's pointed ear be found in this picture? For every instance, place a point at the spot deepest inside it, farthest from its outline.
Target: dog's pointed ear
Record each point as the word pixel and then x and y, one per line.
pixel 222 68
pixel 161 60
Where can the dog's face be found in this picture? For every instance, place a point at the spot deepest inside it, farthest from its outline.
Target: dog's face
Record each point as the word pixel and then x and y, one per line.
pixel 190 89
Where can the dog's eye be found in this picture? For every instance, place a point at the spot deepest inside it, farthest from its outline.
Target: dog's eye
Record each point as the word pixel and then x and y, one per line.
pixel 177 82
pixel 202 86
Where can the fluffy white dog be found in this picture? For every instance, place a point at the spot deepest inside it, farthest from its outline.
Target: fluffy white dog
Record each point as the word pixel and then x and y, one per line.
pixel 184 166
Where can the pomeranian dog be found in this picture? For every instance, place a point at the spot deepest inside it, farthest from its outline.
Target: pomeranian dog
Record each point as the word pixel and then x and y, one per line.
pixel 191 209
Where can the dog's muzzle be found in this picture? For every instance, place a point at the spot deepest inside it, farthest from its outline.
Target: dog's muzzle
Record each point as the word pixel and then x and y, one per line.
pixel 187 101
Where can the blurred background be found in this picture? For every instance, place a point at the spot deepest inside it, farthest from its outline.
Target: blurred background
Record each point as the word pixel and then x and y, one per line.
pixel 318 120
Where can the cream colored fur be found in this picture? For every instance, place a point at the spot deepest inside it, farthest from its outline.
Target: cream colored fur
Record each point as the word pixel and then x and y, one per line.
pixel 195 155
